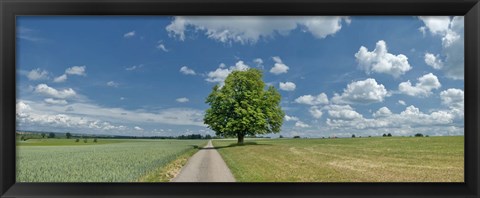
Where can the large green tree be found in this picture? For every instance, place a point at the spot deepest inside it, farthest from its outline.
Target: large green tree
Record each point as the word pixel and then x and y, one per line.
pixel 243 107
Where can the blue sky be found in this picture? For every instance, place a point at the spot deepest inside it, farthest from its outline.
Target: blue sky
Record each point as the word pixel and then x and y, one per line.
pixel 150 75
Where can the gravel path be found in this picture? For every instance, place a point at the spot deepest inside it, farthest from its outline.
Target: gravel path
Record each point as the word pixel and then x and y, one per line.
pixel 205 166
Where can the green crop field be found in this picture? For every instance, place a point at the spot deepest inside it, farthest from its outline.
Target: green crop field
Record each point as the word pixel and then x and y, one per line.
pixel 64 160
pixel 376 159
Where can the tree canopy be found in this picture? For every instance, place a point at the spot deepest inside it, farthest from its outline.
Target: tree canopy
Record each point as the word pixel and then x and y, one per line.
pixel 243 107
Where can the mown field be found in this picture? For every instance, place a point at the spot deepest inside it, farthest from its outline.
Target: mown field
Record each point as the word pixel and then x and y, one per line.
pixel 376 159
pixel 63 160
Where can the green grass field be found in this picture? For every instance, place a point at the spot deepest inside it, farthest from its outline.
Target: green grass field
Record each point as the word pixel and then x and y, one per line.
pixel 378 159
pixel 64 160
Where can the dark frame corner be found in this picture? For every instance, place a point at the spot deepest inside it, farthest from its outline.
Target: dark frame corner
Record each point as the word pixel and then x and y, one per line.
pixel 11 8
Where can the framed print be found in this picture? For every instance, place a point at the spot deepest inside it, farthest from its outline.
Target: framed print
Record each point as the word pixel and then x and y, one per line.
pixel 239 99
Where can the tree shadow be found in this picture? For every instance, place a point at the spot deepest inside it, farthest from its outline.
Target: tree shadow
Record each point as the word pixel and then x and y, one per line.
pixel 236 145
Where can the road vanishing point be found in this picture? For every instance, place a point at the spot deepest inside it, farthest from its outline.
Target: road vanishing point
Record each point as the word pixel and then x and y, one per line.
pixel 205 166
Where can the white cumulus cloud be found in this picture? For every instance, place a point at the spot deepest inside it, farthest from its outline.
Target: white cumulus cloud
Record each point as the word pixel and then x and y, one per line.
pixel 407 121
pixel 287 86
pixel 382 112
pixel 451 32
pixel 342 112
pixel 187 71
pixel 312 100
pixel 37 74
pixel 259 62
pixel 316 112
pixel 301 124
pixel 61 78
pixel 76 70
pixel 250 29
pixel 454 99
pixel 290 118
pixel 433 61
pixel 366 91
pixel 279 67
pixel 436 24
pixel 182 100
pixel 54 93
pixel 422 88
pixel 380 61
pixel 221 73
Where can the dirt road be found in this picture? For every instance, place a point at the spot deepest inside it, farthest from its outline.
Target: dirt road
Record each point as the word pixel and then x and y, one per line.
pixel 205 166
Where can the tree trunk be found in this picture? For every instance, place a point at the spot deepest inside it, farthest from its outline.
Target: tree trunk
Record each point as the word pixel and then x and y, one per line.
pixel 240 138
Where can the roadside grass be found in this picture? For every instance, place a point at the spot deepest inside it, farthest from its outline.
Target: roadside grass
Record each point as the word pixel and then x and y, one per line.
pixel 113 161
pixel 376 159
pixel 171 170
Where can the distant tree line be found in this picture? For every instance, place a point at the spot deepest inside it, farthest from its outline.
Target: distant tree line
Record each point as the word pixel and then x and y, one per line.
pixel 24 136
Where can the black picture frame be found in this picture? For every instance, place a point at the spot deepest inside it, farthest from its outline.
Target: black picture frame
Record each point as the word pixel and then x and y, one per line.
pixel 9 9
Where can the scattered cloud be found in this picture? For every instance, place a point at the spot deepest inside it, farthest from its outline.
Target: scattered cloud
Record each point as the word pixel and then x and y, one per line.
pixel 55 101
pixel 250 29
pixel 187 71
pixel 221 73
pixel 112 84
pixel 342 112
pixel 402 102
pixel 138 128
pixel 76 70
pixel 301 124
pixel 28 34
pixel 451 31
pixel 363 92
pixel 433 61
pixel 129 34
pixel 453 99
pixel 384 119
pixel 61 78
pixel 54 93
pixel 134 67
pixel 382 112
pixel 380 61
pixel 316 112
pixel 182 100
pixel 435 24
pixel 287 86
pixel 97 118
pixel 259 62
pixel 422 88
pixel 313 100
pixel 37 74
pixel 279 67
pixel 161 45
pixel 290 118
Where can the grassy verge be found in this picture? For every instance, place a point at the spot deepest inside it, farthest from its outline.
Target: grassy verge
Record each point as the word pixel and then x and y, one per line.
pixel 392 159
pixel 170 170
